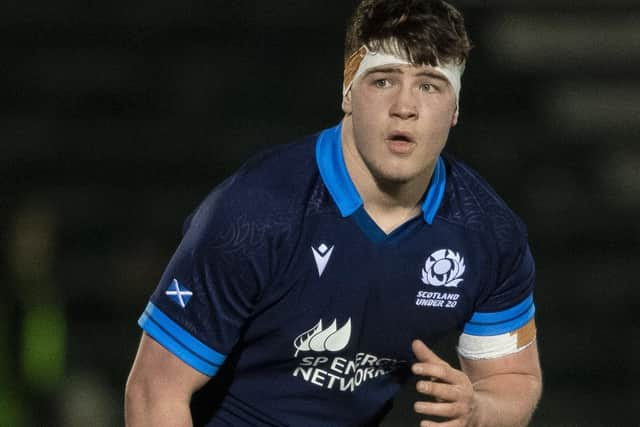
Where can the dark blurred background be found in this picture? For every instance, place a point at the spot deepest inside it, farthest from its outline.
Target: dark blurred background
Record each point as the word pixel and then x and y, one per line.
pixel 116 118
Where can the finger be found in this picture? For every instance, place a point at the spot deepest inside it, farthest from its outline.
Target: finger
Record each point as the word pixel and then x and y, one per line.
pixel 424 353
pixel 444 373
pixel 440 391
pixel 449 423
pixel 445 410
pixel 435 372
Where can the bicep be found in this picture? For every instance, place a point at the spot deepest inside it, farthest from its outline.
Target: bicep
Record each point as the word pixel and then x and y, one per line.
pixel 159 371
pixel 524 362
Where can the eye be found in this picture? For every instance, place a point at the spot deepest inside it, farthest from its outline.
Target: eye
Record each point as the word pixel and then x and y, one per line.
pixel 427 87
pixel 381 83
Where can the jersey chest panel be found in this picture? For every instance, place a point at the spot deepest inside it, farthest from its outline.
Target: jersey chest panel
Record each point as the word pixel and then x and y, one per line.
pixel 349 297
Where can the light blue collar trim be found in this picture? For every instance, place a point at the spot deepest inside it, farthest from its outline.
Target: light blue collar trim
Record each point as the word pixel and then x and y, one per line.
pixel 337 180
pixel 435 193
pixel 334 171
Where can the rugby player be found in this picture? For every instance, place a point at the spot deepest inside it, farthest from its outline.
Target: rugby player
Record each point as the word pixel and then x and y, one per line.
pixel 318 273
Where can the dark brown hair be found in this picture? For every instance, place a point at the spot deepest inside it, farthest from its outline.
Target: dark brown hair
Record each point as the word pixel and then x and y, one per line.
pixel 427 30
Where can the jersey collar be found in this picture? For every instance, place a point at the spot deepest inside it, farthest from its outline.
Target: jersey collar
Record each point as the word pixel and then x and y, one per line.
pixel 337 180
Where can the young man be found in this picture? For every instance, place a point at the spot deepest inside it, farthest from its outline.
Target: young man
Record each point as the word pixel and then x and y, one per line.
pixel 324 269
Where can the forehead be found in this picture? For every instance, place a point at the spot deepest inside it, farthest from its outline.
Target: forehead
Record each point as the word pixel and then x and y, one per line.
pixel 408 70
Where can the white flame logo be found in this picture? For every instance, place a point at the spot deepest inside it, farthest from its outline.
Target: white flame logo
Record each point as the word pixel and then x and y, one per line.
pixel 330 339
pixel 443 268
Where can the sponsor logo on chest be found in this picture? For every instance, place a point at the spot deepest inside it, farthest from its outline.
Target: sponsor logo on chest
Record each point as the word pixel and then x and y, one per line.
pixel 329 371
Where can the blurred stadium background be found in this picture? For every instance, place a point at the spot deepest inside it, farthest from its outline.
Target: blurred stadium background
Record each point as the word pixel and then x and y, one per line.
pixel 116 118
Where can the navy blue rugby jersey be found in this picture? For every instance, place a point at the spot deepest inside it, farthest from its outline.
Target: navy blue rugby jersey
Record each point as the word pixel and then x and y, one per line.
pixel 282 269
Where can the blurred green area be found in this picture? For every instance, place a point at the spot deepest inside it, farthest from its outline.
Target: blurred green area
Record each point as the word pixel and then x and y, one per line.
pixel 43 348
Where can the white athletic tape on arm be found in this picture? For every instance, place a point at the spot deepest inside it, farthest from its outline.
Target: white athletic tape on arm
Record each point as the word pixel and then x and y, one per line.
pixel 476 347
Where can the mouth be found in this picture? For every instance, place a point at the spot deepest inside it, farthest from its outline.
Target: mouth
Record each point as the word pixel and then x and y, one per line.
pixel 400 142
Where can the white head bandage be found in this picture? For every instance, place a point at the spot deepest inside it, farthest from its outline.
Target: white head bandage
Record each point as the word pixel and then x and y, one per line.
pixel 364 59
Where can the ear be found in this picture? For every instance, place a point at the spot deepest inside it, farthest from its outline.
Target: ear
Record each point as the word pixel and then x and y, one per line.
pixel 454 118
pixel 346 102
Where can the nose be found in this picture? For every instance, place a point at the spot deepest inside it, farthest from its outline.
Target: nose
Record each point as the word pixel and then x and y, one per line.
pixel 404 104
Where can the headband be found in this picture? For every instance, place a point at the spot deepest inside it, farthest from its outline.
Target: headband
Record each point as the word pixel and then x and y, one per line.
pixel 364 59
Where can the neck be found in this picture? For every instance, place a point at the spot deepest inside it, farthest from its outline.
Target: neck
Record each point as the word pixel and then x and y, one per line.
pixel 390 203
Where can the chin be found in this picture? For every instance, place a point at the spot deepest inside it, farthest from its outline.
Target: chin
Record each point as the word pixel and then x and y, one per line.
pixel 394 177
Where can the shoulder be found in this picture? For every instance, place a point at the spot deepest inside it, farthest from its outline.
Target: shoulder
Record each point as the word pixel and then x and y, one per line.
pixel 472 203
pixel 279 169
pixel 263 196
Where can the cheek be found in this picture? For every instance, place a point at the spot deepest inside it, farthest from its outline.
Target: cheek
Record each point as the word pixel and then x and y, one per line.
pixel 439 130
pixel 435 127
pixel 361 106
pixel 439 115
pixel 369 102
pixel 366 117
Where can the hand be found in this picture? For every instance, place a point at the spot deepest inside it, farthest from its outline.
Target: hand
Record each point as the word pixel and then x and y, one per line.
pixel 450 388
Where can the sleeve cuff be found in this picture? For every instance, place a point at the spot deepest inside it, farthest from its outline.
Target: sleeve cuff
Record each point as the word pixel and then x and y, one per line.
pixel 180 342
pixel 500 322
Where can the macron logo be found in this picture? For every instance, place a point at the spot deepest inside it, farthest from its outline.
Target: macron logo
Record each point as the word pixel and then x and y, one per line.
pixel 321 255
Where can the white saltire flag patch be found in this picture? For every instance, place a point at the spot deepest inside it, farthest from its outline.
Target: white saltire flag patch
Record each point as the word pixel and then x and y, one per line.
pixel 179 294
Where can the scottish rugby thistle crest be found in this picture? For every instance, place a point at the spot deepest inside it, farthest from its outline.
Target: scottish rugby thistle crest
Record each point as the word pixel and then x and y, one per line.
pixel 444 267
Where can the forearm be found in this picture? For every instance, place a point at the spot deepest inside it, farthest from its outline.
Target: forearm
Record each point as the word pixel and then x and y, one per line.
pixel 506 400
pixel 159 388
pixel 145 410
